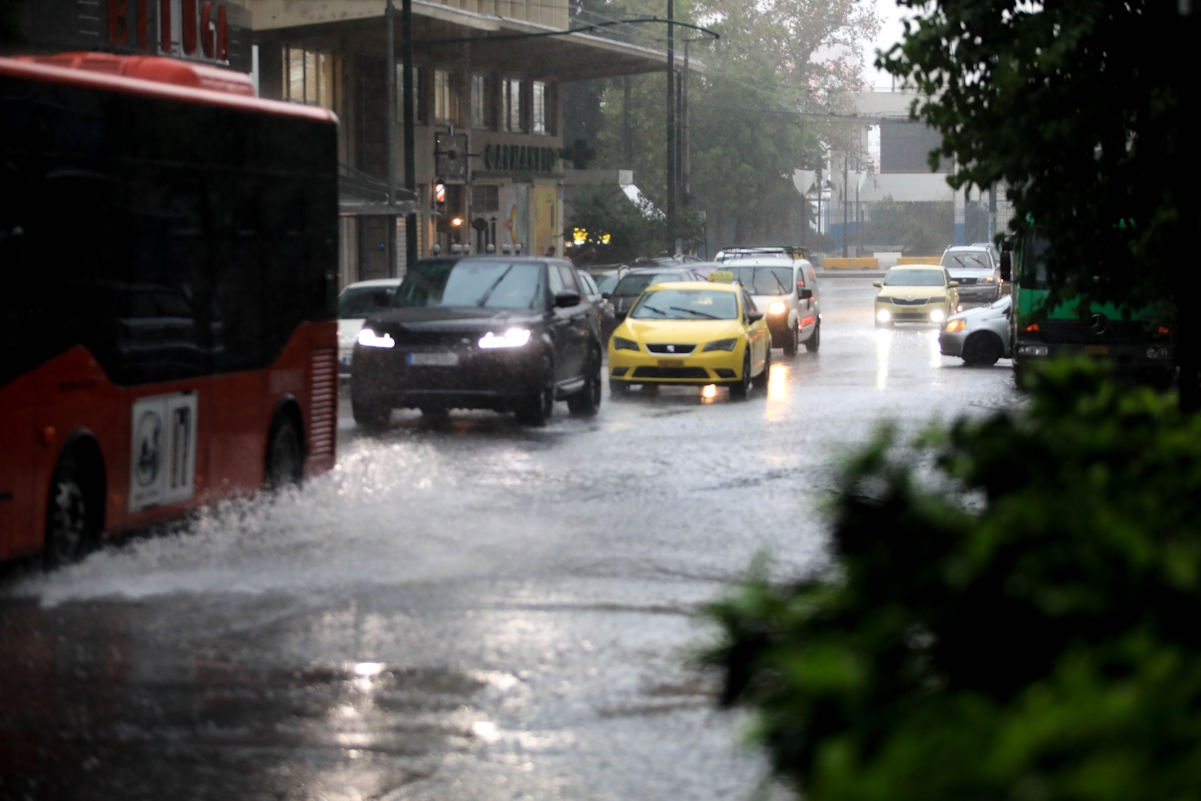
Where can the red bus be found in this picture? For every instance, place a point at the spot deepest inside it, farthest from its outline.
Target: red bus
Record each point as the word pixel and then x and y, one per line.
pixel 168 279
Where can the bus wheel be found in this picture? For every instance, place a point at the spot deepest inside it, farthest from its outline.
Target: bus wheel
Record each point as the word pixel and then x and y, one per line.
pixel 285 461
pixel 70 524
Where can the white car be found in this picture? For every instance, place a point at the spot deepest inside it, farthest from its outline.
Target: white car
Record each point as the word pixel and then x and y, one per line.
pixel 356 303
pixel 980 335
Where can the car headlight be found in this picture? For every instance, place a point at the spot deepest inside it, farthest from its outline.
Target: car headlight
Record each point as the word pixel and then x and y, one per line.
pixel 619 343
pixel 955 326
pixel 720 344
pixel 937 316
pixel 884 315
pixel 988 279
pixel 513 338
pixel 369 339
pixel 777 307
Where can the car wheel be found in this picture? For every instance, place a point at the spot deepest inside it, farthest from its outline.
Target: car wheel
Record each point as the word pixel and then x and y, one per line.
pixel 760 381
pixel 587 401
pixel 791 343
pixel 983 349
pixel 815 339
pixel 539 405
pixel 285 459
pixel 369 414
pixel 742 389
pixel 71 527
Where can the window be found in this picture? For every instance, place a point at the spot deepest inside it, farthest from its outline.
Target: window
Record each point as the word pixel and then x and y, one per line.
pixel 511 97
pixel 485 199
pixel 479 101
pixel 308 77
pixel 538 108
pixel 445 97
pixel 569 282
pixel 400 94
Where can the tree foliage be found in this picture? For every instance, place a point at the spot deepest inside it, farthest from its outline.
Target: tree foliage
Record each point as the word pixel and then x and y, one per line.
pixel 920 229
pixel 1079 108
pixel 619 230
pixel 1021 624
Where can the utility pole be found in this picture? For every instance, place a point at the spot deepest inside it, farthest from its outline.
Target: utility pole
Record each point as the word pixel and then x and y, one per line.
pixel 406 18
pixel 671 126
pixel 685 161
pixel 845 205
pixel 390 127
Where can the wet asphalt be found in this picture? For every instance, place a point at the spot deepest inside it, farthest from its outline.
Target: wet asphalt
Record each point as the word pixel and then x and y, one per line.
pixel 473 610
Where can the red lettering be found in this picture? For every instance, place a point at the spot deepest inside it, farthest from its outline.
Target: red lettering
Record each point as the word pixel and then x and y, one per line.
pixel 222 35
pixel 118 29
pixel 189 27
pixel 142 24
pixel 207 43
pixel 164 33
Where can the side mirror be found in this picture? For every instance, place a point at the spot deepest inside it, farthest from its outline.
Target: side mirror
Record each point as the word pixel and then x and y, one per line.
pixel 805 293
pixel 1006 265
pixel 566 298
pixel 877 283
pixel 754 316
pixel 381 297
pixel 953 284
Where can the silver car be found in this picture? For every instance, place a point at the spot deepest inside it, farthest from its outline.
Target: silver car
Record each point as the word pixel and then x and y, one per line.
pixel 979 336
pixel 977 272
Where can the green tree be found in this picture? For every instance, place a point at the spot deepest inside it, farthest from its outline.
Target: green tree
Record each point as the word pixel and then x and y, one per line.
pixel 919 228
pixel 619 230
pixel 1080 108
pixel 1020 624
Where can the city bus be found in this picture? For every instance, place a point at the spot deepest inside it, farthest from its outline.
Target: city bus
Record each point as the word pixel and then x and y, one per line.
pixel 168 267
pixel 1138 345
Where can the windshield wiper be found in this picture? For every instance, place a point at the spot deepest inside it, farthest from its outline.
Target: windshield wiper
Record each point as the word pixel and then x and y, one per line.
pixel 694 311
pixel 484 298
pixel 779 283
pixel 652 308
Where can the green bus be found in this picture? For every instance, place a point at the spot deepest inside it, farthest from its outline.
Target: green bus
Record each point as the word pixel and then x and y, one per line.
pixel 1138 345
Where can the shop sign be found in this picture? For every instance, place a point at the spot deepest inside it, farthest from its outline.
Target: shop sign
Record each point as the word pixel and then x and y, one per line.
pixel 520 158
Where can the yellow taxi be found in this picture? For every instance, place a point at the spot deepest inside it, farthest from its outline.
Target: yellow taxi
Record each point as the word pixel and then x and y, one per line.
pixel 916 293
pixel 692 333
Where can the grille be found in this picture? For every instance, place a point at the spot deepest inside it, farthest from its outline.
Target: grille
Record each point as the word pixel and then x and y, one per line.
pixel 908 302
pixel 1079 332
pixel 671 372
pixel 405 336
pixel 323 400
pixel 677 350
pixel 965 281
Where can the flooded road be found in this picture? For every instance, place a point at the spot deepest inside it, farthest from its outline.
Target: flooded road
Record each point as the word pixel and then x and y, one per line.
pixel 469 611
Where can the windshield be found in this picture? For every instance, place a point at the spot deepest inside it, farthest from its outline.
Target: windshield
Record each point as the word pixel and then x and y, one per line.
pixel 764 280
pixel 913 278
pixel 686 304
pixel 966 260
pixel 634 284
pixel 487 284
pixel 357 302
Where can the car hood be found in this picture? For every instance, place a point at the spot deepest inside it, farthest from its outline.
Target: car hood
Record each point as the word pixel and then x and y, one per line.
pixel 980 313
pixel 679 331
pixel 450 318
pixel 911 291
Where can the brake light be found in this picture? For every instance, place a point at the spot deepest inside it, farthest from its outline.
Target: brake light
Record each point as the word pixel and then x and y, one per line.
pixel 1164 331
pixel 1032 327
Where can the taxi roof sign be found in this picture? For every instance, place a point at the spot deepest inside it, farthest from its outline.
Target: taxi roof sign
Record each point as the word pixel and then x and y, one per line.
pixel 723 276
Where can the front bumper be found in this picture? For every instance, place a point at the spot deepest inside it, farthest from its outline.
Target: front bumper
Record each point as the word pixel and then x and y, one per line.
pixel 695 369
pixel 1127 358
pixel 952 344
pixel 482 379
pixel 913 314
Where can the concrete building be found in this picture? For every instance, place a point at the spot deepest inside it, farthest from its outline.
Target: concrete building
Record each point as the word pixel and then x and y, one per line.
pixel 488 123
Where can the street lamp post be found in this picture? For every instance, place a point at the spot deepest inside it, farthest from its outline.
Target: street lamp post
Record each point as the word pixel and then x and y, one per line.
pixel 671 126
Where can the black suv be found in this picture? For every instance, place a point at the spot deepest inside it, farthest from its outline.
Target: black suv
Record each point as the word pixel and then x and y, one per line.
pixel 503 333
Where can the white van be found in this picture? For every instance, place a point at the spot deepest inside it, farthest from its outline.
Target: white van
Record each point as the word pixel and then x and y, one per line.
pixel 784 289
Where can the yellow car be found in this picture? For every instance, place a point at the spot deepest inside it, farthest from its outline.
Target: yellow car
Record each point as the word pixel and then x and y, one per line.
pixel 691 333
pixel 916 293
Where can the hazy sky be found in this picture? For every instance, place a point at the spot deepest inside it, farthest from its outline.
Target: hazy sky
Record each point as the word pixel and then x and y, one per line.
pixel 890 32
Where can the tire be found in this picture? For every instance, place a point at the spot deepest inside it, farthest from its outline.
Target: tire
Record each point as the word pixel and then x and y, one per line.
pixel 815 339
pixel 742 389
pixel 982 349
pixel 760 381
pixel 536 409
pixel 71 521
pixel 587 401
pixel 618 388
pixel 791 343
pixel 369 415
pixel 285 456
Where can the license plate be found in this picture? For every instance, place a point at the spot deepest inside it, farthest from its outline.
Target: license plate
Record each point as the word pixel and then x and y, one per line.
pixel 671 362
pixel 434 359
pixel 1099 350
